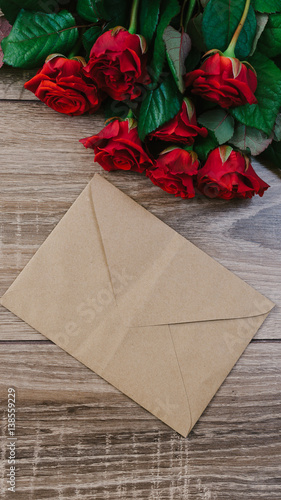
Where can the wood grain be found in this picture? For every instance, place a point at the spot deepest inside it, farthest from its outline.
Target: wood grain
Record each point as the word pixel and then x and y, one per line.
pixel 44 168
pixel 12 81
pixel 78 437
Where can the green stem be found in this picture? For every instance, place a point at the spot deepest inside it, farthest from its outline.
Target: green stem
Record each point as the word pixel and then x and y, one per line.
pixel 230 51
pixel 182 12
pixel 134 21
pixel 190 9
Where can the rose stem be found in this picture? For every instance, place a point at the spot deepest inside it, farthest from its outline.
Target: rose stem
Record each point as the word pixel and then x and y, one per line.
pixel 182 12
pixel 190 9
pixel 230 51
pixel 133 21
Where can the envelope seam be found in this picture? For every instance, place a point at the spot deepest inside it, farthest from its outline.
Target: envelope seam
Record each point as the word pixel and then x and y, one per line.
pixel 179 367
pixel 207 320
pixel 102 244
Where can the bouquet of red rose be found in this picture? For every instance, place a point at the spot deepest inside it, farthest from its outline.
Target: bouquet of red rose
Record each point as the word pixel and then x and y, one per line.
pixel 190 89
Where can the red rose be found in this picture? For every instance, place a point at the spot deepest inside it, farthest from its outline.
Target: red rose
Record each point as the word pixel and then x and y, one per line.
pixel 62 85
pixel 182 128
pixel 228 174
pixel 224 80
pixel 118 65
pixel 118 146
pixel 174 172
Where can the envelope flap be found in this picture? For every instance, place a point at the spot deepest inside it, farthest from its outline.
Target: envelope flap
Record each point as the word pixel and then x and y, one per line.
pixel 166 279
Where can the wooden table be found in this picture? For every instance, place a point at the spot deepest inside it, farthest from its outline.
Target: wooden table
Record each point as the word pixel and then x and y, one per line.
pixel 78 437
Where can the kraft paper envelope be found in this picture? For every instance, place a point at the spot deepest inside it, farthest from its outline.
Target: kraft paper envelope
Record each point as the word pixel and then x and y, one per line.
pixel 138 304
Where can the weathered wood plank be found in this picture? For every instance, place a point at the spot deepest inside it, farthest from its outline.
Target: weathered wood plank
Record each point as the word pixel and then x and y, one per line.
pixel 78 437
pixel 44 168
pixel 12 81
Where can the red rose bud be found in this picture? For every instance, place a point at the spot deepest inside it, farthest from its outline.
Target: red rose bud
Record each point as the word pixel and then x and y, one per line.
pixel 182 128
pixel 174 172
pixel 224 80
pixel 228 174
pixel 118 147
pixel 118 64
pixel 62 85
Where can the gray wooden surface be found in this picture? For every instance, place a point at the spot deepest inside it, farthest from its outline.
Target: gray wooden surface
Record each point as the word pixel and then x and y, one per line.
pixel 77 436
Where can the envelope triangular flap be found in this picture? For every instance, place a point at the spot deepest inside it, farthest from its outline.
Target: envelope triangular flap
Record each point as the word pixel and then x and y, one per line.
pixel 207 352
pixel 169 280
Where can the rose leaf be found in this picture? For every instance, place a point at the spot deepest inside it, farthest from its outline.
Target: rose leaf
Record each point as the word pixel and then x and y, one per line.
pixel 113 11
pixel 252 138
pixel 273 153
pixel 263 114
pixel 178 46
pixel 11 8
pixel 261 24
pixel 195 32
pixel 220 20
pixel 220 122
pixel 89 38
pixel 169 10
pixel 149 15
pixel 270 40
pixel 268 6
pixel 35 35
pixel 203 145
pixel 277 128
pixel 88 10
pixel 159 106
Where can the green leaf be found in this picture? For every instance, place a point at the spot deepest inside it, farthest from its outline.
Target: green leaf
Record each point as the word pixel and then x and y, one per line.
pixel 11 8
pixel 277 61
pixel 170 9
pixel 261 24
pixel 270 40
pixel 195 32
pixel 220 20
pixel 277 128
pixel 87 10
pixel 149 15
pixel 220 122
pixel 114 108
pixel 267 6
pixel 89 38
pixel 35 35
pixel 263 114
pixel 203 145
pixel 159 106
pixel 117 12
pixel 273 153
pixel 178 46
pixel 252 138
pixel 192 59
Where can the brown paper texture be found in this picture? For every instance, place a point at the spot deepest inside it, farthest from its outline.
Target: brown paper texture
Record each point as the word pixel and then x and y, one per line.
pixel 138 304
